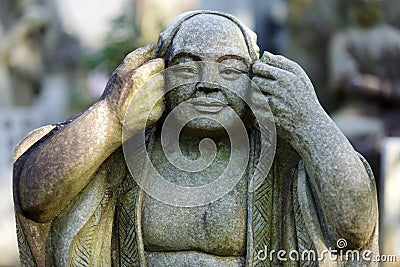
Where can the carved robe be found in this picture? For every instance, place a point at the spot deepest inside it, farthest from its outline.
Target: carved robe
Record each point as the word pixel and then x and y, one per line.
pixel 102 227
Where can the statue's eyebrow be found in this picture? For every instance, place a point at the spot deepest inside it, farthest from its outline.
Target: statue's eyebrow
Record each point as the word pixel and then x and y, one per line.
pixel 185 55
pixel 224 57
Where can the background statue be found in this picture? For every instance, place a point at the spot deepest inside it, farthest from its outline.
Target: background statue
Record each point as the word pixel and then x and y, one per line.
pixel 77 202
pixel 24 38
pixel 365 75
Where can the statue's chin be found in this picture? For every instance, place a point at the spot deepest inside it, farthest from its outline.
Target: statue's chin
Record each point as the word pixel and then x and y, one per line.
pixel 204 127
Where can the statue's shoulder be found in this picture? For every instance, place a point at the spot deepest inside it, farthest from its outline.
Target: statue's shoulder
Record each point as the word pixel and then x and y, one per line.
pixel 32 137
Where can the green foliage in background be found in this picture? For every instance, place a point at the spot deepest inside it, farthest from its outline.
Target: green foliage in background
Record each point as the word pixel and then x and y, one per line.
pixel 123 38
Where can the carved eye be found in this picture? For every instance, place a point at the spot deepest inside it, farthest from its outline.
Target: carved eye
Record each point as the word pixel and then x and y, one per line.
pixel 186 72
pixel 230 73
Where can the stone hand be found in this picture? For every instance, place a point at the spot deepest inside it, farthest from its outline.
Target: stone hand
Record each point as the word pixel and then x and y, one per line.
pixel 140 68
pixel 290 92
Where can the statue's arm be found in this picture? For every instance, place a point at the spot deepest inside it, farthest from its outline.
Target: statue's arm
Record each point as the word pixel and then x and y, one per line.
pixel 345 73
pixel 344 189
pixel 53 171
pixel 61 165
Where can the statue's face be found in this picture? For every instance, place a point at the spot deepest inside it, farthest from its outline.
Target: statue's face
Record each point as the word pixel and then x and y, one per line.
pixel 210 63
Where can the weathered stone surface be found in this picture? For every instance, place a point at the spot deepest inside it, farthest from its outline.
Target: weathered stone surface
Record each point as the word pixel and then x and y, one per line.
pixel 80 202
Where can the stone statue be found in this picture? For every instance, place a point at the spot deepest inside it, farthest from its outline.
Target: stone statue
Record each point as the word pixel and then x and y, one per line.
pixel 77 203
pixel 21 56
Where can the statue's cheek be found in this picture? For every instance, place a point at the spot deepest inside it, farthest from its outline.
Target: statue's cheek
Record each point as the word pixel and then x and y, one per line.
pixel 179 94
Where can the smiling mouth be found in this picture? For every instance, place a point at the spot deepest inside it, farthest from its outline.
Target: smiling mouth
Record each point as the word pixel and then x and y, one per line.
pixel 207 105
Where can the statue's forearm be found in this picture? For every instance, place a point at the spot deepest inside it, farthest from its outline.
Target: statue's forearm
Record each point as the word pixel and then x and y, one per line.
pixel 341 180
pixel 62 165
pixel 55 171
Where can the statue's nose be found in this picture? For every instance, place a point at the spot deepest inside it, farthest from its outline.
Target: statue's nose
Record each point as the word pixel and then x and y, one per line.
pixel 209 79
pixel 208 87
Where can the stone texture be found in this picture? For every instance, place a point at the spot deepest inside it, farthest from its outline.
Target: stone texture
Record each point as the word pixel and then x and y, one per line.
pixel 78 204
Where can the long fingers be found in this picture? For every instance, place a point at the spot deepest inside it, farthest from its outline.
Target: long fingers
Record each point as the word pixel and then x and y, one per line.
pixel 139 79
pixel 137 58
pixel 267 86
pixel 125 70
pixel 281 62
pixel 268 71
pixel 269 78
pixel 148 69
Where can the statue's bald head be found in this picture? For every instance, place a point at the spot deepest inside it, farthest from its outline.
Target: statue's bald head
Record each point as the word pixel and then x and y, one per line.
pixel 209 36
pixel 208 32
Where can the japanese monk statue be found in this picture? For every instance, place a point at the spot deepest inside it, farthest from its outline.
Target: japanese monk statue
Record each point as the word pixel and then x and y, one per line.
pixel 200 152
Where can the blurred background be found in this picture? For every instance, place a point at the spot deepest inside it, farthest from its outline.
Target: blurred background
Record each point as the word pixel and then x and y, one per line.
pixel 56 57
